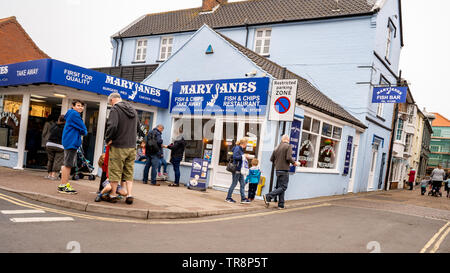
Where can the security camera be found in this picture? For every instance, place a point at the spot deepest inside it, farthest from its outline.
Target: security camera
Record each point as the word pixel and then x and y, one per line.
pixel 250 74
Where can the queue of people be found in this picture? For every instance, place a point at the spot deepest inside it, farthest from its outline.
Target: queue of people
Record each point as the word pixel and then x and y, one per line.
pixel 437 178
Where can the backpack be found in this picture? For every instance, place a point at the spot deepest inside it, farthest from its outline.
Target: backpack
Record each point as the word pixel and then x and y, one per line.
pixel 151 144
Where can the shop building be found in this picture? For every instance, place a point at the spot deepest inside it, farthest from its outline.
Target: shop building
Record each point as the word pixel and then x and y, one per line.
pixel 31 92
pixel 440 144
pixel 343 48
pixel 211 61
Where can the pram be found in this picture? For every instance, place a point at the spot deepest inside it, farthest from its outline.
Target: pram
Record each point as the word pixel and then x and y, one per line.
pixel 435 188
pixel 83 167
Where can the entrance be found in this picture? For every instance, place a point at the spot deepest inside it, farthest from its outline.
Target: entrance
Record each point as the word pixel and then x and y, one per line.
pixel 373 165
pixel 90 117
pixel 43 114
pixel 231 132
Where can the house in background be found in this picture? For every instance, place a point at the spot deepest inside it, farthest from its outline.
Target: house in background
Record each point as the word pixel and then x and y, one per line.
pixel 343 48
pixel 15 44
pixel 440 144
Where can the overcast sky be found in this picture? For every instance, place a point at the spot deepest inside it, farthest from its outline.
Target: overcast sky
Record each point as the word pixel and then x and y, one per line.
pixel 79 31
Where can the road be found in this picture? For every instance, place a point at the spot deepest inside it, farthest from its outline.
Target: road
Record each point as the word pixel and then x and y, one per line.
pixel 341 226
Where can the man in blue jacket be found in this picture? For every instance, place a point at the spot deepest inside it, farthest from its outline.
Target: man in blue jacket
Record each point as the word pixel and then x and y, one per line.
pixel 154 151
pixel 71 140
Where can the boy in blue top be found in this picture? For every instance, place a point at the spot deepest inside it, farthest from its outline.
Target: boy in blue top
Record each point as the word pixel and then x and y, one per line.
pixel 253 177
pixel 71 140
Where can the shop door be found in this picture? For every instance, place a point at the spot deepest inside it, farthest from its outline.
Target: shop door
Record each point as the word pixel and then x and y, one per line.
pixel 90 116
pixel 373 166
pixel 230 134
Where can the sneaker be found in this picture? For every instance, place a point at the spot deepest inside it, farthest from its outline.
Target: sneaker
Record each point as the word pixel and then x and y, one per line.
pixel 156 184
pixel 174 185
pixel 280 207
pixel 129 200
pixel 166 174
pixel 98 198
pixel 54 178
pixel 245 201
pixel 112 199
pixel 67 189
pixel 266 200
pixel 230 200
pixel 159 174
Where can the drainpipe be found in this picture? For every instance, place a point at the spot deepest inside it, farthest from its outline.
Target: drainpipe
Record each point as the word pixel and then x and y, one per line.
pixel 246 35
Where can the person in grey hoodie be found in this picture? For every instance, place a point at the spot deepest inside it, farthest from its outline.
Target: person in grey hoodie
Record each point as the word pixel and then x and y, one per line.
pixel 437 176
pixel 121 133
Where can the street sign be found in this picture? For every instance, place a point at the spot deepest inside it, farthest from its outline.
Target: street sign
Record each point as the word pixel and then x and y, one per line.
pixel 282 102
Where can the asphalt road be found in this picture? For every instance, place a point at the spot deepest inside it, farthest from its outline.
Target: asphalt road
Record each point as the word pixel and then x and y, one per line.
pixel 336 227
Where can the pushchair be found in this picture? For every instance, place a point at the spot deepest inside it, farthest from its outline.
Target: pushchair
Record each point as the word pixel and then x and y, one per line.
pixel 435 188
pixel 83 167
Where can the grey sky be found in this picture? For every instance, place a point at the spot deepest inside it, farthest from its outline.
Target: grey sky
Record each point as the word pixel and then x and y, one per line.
pixel 79 31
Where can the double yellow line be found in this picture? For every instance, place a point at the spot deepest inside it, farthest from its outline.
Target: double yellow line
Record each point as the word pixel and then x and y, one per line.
pixel 436 240
pixel 197 221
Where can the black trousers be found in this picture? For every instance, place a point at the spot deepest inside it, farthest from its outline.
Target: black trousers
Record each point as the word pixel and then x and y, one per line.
pixel 282 185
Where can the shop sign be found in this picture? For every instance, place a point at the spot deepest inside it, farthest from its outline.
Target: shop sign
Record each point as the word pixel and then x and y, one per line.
pixel 295 139
pixel 392 94
pixel 348 154
pixel 246 96
pixel 282 101
pixel 199 172
pixel 57 72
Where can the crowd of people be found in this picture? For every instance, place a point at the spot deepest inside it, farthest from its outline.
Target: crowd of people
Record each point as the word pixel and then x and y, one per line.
pixel 63 139
pixel 434 182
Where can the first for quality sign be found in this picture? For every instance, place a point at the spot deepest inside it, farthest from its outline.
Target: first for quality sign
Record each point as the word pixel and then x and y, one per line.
pixel 282 102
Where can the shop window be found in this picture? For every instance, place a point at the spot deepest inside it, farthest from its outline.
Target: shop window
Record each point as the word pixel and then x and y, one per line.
pixel 10 120
pixel 399 132
pixel 322 146
pixel 146 121
pixel 199 136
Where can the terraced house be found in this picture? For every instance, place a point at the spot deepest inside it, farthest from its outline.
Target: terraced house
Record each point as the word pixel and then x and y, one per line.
pixel 341 49
pixel 440 144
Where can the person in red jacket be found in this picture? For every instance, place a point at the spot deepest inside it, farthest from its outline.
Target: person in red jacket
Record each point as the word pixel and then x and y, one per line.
pixel 412 178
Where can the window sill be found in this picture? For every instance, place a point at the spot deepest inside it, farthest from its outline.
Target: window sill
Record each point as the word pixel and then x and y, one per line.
pixel 160 61
pixel 2 148
pixel 316 170
pixel 138 62
pixel 381 118
pixel 387 60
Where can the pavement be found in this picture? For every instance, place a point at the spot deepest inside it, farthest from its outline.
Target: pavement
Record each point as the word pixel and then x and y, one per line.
pixel 163 202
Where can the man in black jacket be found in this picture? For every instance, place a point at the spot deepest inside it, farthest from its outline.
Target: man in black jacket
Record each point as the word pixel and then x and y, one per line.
pixel 154 153
pixel 176 155
pixel 121 132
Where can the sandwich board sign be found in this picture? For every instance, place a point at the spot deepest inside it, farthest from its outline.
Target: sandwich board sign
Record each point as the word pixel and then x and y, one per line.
pixel 282 100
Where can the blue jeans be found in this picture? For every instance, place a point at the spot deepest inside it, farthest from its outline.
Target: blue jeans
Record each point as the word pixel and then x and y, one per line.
pixel 162 162
pixel 176 169
pixel 237 176
pixel 152 161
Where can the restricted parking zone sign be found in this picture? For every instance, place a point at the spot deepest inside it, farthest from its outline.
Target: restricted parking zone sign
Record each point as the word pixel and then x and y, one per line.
pixel 282 101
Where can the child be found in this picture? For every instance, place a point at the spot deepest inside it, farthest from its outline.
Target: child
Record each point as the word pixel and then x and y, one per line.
pixel 162 162
pixel 424 183
pixel 140 153
pixel 253 177
pixel 447 187
pixel 105 186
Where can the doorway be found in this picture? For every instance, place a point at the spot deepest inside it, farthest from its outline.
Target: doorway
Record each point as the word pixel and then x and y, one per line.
pixel 43 114
pixel 373 166
pixel 230 132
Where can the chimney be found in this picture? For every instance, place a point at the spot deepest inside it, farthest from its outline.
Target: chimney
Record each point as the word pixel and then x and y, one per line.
pixel 208 5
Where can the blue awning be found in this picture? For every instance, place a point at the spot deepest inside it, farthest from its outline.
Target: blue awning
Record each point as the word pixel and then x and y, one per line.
pixel 61 73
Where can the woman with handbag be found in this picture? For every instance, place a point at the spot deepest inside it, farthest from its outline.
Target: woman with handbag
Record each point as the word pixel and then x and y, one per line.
pixel 238 152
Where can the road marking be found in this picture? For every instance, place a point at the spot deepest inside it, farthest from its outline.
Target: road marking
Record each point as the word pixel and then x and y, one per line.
pixel 23 211
pixel 29 205
pixel 433 239
pixel 41 219
pixel 438 243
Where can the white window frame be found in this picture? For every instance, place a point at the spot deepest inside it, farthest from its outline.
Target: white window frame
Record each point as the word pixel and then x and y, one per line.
pixel 391 33
pixel 316 169
pixel 380 108
pixel 163 48
pixel 264 39
pixel 140 53
pixel 399 130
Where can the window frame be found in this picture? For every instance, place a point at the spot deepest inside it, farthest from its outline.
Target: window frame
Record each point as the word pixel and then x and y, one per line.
pixel 319 135
pixel 399 130
pixel 143 53
pixel 263 40
pixel 391 34
pixel 165 48
pixel 380 108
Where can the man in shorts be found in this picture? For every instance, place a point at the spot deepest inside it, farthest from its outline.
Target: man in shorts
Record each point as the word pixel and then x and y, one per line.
pixel 121 133
pixel 71 140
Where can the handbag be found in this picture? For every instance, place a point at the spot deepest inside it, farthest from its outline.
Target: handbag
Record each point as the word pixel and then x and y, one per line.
pixel 231 167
